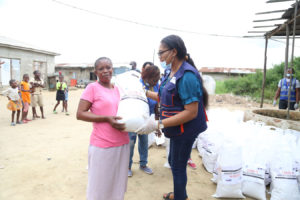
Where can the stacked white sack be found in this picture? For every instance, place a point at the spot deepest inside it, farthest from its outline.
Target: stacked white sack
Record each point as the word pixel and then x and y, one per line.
pixel 211 147
pixel 133 107
pixel 254 170
pixel 256 138
pixel 284 176
pixel 229 181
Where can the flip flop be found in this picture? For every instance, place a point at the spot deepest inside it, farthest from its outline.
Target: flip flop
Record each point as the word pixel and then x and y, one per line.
pixel 54 112
pixel 167 196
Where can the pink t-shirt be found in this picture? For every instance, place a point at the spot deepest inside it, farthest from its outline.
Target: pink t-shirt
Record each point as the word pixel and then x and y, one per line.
pixel 104 102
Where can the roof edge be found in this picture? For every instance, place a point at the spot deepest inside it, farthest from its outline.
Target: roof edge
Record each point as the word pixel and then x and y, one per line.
pixel 30 49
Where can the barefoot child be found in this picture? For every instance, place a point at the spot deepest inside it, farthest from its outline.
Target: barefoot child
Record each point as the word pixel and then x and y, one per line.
pixel 14 103
pixel 60 93
pixel 25 93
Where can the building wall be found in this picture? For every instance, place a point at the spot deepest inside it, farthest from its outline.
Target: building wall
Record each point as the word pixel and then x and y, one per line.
pixel 80 74
pixel 27 59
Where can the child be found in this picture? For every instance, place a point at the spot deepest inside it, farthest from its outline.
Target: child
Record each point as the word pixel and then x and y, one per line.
pixel 14 103
pixel 65 107
pixel 25 93
pixel 60 92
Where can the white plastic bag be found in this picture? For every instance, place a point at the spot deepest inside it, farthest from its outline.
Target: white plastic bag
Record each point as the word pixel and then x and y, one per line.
pixel 254 181
pixel 284 177
pixel 151 139
pixel 229 184
pixel 211 148
pixel 133 107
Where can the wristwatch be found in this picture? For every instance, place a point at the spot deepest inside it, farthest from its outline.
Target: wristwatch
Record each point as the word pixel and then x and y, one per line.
pixel 160 124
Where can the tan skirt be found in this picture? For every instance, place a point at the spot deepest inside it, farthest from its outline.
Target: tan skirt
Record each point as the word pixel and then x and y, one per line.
pixel 107 172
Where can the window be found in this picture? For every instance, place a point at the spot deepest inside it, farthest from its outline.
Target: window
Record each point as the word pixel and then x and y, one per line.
pixel 10 69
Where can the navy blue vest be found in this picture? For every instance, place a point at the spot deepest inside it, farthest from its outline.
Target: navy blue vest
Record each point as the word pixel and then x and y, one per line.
pixel 284 90
pixel 171 105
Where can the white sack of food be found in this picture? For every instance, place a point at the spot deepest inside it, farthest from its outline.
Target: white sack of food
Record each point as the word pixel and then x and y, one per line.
pixel 195 143
pixel 160 140
pixel 211 148
pixel 284 177
pixel 201 142
pixel 254 181
pixel 209 84
pixel 215 173
pixel 151 139
pixel 229 184
pixel 133 106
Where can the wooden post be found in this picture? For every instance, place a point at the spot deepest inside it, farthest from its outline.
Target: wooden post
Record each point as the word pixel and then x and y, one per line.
pixel 292 57
pixel 287 49
pixel 264 77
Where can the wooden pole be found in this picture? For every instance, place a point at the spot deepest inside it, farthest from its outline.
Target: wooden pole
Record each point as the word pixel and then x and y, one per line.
pixel 292 58
pixel 287 49
pixel 264 77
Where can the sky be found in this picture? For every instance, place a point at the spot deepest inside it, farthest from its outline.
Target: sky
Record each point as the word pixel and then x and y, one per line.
pixel 113 28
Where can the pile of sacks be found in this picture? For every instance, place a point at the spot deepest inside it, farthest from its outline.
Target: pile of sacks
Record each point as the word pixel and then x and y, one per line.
pixel 244 157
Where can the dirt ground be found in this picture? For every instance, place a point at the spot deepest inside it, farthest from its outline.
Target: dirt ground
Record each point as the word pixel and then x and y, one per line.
pixel 46 159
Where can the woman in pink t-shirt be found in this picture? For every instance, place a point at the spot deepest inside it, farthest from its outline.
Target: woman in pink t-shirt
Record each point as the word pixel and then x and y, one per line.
pixel 108 157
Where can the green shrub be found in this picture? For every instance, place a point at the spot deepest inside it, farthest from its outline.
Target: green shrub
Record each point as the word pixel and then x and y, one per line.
pixel 251 85
pixel 220 87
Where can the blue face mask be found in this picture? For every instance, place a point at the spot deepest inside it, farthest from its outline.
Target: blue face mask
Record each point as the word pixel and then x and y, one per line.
pixel 164 65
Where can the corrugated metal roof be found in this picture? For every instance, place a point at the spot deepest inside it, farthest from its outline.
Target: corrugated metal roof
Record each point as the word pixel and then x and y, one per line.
pixel 11 43
pixel 223 70
pixel 74 65
pixel 87 65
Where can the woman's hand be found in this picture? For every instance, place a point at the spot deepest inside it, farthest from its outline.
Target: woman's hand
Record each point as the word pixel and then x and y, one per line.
pixel 149 126
pixel 158 133
pixel 112 120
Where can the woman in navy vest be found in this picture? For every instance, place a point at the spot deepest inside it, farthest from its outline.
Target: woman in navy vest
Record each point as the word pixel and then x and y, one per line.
pixel 183 100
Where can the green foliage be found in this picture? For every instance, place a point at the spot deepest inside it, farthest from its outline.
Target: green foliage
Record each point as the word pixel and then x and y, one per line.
pixel 220 87
pixel 251 85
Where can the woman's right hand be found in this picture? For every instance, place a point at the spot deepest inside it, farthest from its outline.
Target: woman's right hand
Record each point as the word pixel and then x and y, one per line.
pixel 112 120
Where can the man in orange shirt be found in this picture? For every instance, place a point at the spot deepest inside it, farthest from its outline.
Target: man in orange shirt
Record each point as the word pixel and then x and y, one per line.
pixel 25 94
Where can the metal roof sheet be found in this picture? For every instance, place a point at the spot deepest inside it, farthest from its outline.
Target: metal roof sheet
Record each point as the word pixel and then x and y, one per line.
pixel 11 43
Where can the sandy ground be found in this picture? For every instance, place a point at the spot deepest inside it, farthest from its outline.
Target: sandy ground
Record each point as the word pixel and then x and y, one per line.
pixel 46 159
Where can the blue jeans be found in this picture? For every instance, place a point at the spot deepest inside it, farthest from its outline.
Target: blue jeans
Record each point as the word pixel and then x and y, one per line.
pixel 143 148
pixel 180 151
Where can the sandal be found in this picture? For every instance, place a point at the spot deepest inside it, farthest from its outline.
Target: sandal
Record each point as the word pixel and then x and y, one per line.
pixel 168 196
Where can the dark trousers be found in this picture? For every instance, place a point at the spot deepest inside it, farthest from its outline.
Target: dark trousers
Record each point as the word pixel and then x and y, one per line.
pixel 180 150
pixel 283 104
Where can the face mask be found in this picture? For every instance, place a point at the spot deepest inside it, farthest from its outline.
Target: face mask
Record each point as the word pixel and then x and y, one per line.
pixel 164 65
pixel 288 75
